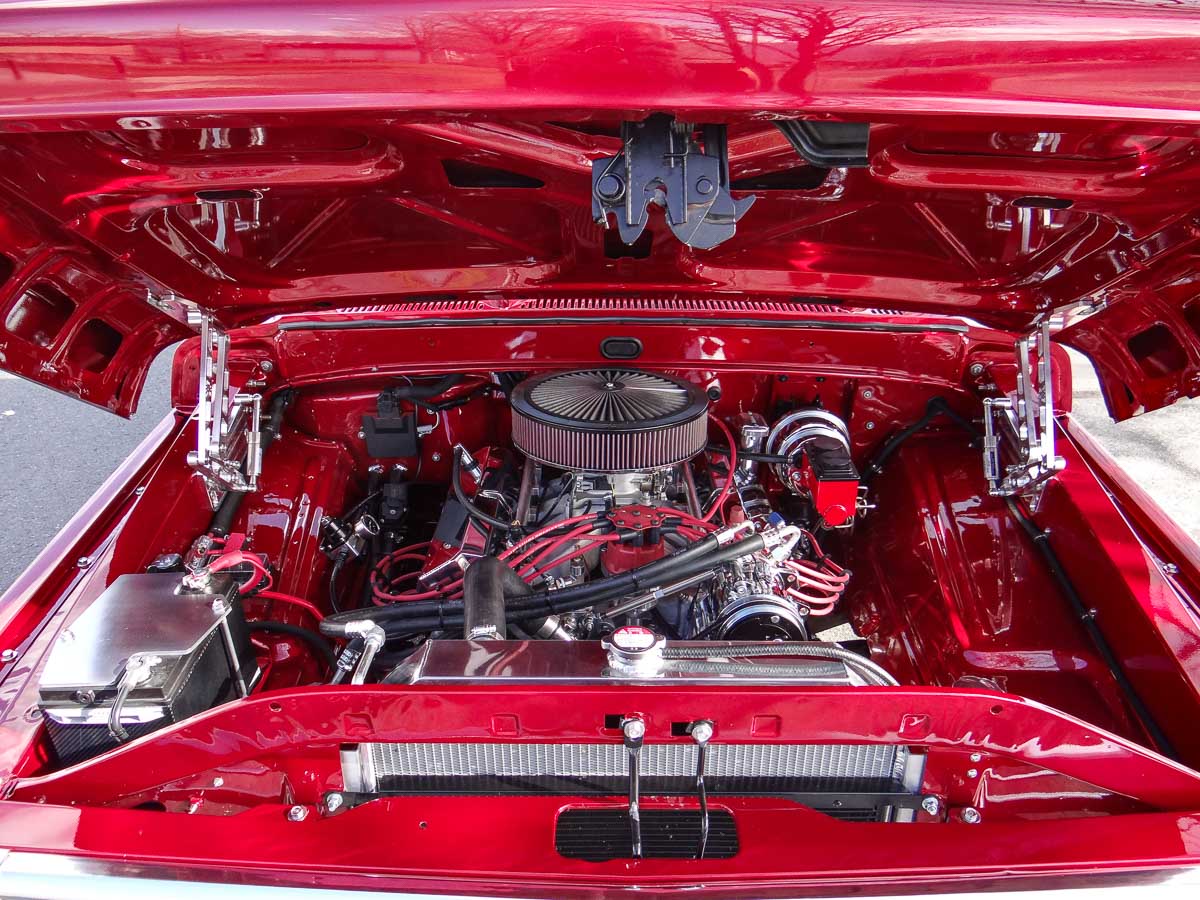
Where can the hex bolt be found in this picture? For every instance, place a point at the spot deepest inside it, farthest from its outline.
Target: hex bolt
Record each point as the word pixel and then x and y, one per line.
pixel 976 757
pixel 334 802
pixel 704 186
pixel 634 729
pixel 971 815
pixel 972 773
pixel 931 805
pixel 267 366
pixel 297 813
pixel 976 369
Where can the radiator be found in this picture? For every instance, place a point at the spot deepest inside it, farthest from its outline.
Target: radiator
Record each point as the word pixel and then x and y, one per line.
pixel 539 768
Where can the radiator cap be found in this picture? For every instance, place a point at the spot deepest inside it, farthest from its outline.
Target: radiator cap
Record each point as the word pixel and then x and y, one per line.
pixel 634 648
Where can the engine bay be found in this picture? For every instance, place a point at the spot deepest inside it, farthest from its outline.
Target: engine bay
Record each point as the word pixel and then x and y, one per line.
pixel 622 510
pixel 582 571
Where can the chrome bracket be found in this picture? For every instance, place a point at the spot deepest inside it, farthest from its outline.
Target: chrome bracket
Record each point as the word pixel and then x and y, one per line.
pixel 228 452
pixel 1023 422
pixel 633 730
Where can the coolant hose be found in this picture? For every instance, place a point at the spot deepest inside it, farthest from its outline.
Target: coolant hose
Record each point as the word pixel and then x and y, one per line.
pixel 486 584
pixel 413 617
pixel 868 669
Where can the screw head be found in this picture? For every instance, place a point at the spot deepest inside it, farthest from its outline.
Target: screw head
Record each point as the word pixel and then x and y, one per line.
pixel 436 457
pixel 297 813
pixel 218 782
pixel 1170 569
pixel 702 732
pixel 333 802
pixel 83 562
pixel 361 434
pixel 8 655
pixel 976 757
pixel 972 773
pixel 931 805
pixel 86 697
pixel 704 186
pixel 868 394
pixel 870 426
pixel 267 366
pixel 971 815
pixel 976 369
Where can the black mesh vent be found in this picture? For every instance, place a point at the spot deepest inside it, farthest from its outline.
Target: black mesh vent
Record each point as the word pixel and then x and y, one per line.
pixel 597 835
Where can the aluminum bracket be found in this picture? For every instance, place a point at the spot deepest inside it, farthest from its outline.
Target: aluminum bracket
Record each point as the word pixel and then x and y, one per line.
pixel 1021 425
pixel 228 452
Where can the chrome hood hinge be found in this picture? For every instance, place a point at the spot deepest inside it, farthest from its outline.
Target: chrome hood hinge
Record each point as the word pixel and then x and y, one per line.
pixel 1023 422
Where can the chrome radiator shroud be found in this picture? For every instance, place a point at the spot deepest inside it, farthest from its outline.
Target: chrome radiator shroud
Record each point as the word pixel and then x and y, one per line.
pixel 587 662
pixel 668 768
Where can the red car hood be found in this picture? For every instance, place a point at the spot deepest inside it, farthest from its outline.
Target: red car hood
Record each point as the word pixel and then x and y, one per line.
pixel 256 160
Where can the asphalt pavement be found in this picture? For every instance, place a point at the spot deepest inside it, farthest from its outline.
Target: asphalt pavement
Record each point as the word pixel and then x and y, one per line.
pixel 55 452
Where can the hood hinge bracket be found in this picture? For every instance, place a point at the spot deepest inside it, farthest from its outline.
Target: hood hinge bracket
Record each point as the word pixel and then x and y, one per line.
pixel 228 452
pixel 1024 423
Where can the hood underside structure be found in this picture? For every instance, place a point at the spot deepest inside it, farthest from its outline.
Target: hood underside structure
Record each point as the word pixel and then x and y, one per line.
pixel 1027 163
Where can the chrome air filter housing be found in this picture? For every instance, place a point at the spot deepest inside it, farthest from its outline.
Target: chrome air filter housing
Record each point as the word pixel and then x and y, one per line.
pixel 609 420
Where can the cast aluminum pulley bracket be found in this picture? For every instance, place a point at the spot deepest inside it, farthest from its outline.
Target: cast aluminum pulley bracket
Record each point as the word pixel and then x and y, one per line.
pixel 1023 422
pixel 661 162
pixel 228 450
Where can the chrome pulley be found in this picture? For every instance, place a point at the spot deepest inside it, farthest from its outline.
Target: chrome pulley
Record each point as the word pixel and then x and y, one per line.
pixel 800 430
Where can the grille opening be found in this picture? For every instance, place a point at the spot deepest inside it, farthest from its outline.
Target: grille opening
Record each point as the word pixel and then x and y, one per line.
pixel 598 835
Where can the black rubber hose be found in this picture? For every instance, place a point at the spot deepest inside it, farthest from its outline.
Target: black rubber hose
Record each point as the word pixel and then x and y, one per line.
pixel 320 646
pixel 472 510
pixel 599 588
pixel 1087 618
pixel 487 583
pixel 934 408
pixel 338 563
pixel 539 604
pixel 222 520
pixel 426 391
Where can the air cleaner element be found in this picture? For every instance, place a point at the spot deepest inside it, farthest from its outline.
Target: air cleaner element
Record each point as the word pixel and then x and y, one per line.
pixel 609 420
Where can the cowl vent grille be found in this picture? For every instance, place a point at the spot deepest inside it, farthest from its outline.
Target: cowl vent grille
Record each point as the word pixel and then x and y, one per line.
pixel 609 420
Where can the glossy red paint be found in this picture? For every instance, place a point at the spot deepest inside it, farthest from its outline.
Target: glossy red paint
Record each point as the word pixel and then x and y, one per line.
pixel 370 190
pixel 1003 181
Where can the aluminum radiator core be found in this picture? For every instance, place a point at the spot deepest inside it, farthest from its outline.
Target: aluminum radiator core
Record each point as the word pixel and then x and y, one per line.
pixel 609 420
pixel 536 768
